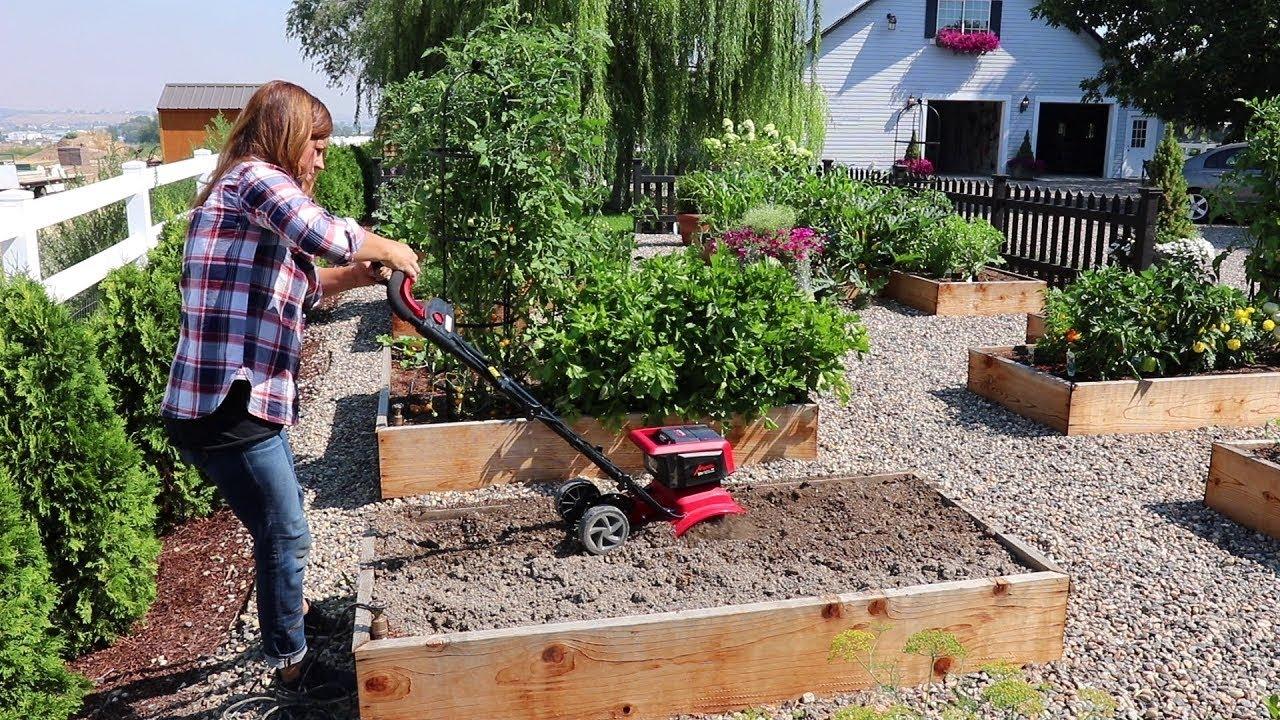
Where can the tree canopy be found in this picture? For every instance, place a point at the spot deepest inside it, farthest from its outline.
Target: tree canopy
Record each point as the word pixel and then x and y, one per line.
pixel 667 74
pixel 1184 60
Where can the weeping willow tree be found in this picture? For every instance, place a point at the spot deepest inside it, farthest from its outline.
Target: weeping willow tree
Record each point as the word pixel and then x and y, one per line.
pixel 671 71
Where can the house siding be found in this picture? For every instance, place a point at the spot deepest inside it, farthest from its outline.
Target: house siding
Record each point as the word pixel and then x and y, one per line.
pixel 868 71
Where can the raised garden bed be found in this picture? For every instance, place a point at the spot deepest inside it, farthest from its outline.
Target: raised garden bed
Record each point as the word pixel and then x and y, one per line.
pixel 1035 328
pixel 492 616
pixel 1242 399
pixel 481 453
pixel 1244 484
pixel 994 292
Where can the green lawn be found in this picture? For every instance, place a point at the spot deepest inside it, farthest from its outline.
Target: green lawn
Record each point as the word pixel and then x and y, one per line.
pixel 620 222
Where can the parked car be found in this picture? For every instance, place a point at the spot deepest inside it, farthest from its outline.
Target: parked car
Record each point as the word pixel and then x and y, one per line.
pixel 1204 174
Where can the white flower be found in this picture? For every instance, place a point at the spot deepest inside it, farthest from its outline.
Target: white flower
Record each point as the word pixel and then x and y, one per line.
pixel 748 125
pixel 727 124
pixel 770 131
pixel 791 144
pixel 751 134
pixel 713 144
pixel 730 137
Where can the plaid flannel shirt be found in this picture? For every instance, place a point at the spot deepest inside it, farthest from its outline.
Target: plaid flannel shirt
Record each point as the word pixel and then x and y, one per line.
pixel 247 275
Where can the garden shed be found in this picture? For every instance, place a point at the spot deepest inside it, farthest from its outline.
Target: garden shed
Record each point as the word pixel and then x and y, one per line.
pixel 186 108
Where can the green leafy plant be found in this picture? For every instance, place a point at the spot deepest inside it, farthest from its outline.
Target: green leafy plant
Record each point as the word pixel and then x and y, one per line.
pixel 34 684
pixel 951 248
pixel 517 211
pixel 1251 194
pixel 1174 219
pixel 1163 321
pixel 1273 707
pixel 216 133
pixel 1096 704
pixel 684 337
pixel 75 469
pixel 83 236
pixel 136 327
pixel 747 169
pixel 769 218
pixel 895 712
pixel 340 186
pixel 935 645
pixel 1015 697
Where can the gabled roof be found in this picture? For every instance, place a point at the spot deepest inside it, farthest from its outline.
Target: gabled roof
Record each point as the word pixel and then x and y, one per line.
pixel 206 96
pixel 857 6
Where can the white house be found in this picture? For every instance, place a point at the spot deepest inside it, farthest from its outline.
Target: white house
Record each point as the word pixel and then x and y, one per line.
pixel 881 55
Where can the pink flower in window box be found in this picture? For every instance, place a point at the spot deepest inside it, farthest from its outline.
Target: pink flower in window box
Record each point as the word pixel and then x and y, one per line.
pixel 968 43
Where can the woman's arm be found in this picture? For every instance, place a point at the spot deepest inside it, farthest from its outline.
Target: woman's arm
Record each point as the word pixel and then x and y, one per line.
pixel 335 280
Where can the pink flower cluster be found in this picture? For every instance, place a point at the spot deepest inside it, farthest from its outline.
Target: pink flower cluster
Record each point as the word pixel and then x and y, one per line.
pixel 919 166
pixel 972 43
pixel 789 245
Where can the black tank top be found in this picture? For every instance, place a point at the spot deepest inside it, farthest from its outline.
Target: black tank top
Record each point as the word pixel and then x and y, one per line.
pixel 230 426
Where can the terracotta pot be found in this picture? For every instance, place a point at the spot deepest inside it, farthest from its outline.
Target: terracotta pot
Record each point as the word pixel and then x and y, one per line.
pixel 689 224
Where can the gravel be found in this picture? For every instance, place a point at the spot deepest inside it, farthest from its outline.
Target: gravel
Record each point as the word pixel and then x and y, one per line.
pixel 1173 608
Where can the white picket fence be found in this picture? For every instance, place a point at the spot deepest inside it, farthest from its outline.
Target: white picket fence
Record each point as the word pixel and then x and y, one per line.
pixel 22 216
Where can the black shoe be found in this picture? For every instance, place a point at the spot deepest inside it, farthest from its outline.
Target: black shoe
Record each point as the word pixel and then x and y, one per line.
pixel 319 625
pixel 317 683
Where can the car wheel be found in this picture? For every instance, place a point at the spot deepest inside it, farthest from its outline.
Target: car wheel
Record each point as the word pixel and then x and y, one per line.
pixel 1199 206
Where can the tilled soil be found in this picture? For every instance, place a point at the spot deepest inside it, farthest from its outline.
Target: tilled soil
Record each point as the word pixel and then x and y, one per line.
pixel 488 569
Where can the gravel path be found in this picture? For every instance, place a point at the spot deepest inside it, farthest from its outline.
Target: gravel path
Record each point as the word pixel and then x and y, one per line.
pixel 1173 610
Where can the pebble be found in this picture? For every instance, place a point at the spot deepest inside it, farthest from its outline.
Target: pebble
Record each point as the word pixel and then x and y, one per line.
pixel 1172 609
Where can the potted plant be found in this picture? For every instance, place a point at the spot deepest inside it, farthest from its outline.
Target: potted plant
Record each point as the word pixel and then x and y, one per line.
pixel 1024 165
pixel 770 232
pixel 979 42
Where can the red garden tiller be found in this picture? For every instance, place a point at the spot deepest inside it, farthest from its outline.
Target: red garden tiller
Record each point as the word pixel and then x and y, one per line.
pixel 687 461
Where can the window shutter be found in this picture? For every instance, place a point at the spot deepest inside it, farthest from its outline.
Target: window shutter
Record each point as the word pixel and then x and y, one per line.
pixel 930 18
pixel 997 9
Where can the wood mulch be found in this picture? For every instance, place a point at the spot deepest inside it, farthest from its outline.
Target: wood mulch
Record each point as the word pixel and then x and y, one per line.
pixel 205 573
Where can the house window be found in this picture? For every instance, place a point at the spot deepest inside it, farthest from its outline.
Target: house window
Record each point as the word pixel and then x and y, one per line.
pixel 1139 138
pixel 965 15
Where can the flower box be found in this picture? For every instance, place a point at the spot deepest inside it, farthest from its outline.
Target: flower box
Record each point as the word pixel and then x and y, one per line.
pixel 967 43
pixel 468 455
pixel 1247 399
pixel 997 292
pixel 698 661
pixel 1245 486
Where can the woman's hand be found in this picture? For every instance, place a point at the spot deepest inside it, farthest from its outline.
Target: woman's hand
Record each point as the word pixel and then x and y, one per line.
pixel 394 254
pixel 369 274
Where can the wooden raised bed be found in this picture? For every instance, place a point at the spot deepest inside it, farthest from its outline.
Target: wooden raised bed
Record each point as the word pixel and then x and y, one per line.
pixel 1244 486
pixel 1035 328
pixel 417 459
pixel 1012 294
pixel 700 661
pixel 1124 406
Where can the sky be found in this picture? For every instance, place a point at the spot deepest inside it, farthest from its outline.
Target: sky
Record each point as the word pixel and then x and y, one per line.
pixel 118 54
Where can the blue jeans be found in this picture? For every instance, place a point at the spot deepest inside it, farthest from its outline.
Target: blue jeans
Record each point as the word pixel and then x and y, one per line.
pixel 258 482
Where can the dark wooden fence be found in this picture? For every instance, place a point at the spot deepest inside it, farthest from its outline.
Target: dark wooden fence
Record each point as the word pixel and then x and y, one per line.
pixel 658 189
pixel 1050 234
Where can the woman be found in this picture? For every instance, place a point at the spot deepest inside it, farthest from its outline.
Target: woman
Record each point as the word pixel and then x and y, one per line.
pixel 248 273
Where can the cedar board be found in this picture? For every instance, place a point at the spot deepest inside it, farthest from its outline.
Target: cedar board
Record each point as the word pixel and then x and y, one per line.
pixel 1244 487
pixel 1035 328
pixel 1124 406
pixel 1018 294
pixel 712 660
pixel 417 459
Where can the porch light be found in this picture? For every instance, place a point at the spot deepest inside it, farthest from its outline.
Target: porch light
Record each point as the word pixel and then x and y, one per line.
pixel 1026 103
pixel 893 21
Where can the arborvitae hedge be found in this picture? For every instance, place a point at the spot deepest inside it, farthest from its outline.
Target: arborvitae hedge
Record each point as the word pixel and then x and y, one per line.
pixel 34 683
pixel 340 186
pixel 136 326
pixel 75 470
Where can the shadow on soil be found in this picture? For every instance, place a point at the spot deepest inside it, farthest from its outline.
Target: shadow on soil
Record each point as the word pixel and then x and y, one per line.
pixel 976 413
pixel 346 475
pixel 1240 541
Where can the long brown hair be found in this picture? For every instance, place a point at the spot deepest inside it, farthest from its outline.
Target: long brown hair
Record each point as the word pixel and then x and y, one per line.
pixel 275 125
